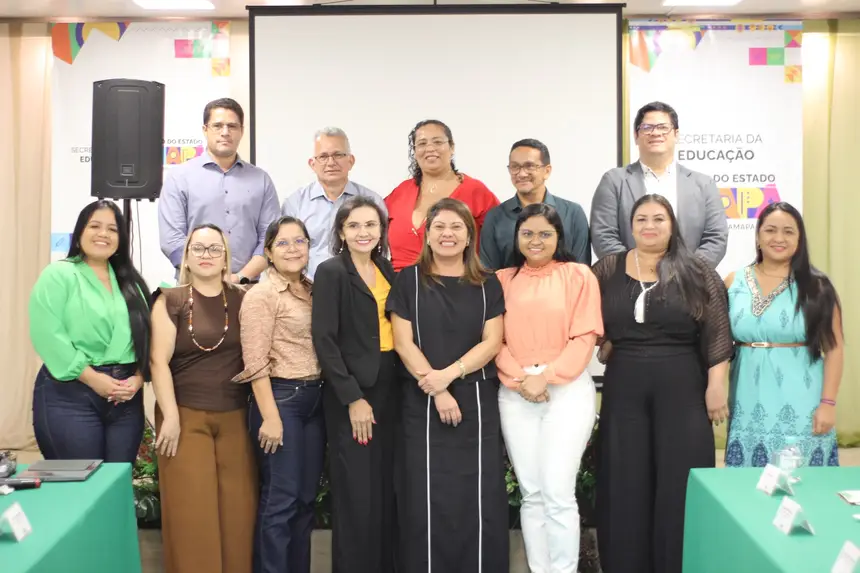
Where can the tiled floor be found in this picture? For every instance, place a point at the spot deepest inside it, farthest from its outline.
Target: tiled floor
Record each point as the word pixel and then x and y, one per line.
pixel 151 548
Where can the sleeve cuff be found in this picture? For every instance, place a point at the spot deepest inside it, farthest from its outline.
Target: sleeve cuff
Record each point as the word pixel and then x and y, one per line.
pixel 349 392
pixel 257 369
pixel 176 257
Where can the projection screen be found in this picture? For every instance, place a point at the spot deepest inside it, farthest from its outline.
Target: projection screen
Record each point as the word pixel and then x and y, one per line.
pixel 494 74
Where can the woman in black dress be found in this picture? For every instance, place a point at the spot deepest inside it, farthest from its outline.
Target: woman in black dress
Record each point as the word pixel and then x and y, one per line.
pixel 354 343
pixel 668 343
pixel 447 318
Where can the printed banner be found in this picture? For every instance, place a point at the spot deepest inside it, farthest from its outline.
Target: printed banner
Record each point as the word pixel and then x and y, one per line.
pixel 190 58
pixel 736 86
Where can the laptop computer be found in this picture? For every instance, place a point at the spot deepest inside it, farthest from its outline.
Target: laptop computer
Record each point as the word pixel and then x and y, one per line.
pixel 61 470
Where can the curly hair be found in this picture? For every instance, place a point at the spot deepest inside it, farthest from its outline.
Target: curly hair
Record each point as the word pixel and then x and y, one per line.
pixel 414 168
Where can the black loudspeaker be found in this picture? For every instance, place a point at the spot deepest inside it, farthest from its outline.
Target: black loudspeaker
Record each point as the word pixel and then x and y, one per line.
pixel 128 138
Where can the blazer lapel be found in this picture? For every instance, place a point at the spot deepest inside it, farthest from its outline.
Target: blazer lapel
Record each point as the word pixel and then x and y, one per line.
pixel 354 277
pixel 635 182
pixel 688 204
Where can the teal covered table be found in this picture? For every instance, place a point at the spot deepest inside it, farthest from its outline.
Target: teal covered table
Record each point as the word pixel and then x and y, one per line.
pixel 729 523
pixel 78 527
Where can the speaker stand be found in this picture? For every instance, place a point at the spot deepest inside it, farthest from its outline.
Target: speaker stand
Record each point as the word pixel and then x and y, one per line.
pixel 126 208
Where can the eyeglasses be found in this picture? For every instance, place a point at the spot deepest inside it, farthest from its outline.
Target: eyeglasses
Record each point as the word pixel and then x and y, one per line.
pixel 198 250
pixel 515 168
pixel 659 129
pixel 528 235
pixel 324 158
pixel 436 143
pixel 219 127
pixel 299 243
pixel 355 226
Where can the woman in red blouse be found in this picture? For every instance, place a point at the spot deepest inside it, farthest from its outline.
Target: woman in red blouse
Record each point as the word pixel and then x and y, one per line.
pixel 434 177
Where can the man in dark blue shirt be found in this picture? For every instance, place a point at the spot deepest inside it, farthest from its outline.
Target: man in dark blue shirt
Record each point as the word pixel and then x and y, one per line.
pixel 529 166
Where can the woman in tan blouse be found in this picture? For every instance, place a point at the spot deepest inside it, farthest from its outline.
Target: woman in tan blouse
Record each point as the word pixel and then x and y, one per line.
pixel 206 463
pixel 286 417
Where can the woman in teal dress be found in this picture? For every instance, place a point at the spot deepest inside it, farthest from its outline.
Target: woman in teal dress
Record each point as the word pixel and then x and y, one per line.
pixel 786 322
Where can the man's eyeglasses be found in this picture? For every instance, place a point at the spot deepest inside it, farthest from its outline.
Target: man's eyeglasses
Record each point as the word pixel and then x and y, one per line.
pixel 219 127
pixel 515 168
pixel 324 158
pixel 659 129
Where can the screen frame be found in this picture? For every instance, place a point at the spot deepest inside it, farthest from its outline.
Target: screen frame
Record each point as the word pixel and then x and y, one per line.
pixel 428 9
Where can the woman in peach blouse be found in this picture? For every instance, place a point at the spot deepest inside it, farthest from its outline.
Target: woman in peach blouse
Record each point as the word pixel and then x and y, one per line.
pixel 547 400
pixel 285 417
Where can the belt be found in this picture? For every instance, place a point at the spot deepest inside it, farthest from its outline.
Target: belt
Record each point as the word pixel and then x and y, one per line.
pixel 771 344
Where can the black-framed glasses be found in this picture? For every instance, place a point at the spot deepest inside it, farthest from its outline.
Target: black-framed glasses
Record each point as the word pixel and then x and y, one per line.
pixel 658 129
pixel 198 250
pixel 325 157
pixel 529 167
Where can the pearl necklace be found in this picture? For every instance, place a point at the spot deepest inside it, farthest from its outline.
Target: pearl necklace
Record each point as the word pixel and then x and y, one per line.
pixel 191 320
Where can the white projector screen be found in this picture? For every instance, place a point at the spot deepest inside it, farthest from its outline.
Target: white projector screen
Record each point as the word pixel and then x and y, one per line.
pixel 493 74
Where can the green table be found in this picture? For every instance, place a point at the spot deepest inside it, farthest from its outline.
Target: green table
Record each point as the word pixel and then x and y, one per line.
pixel 729 523
pixel 78 527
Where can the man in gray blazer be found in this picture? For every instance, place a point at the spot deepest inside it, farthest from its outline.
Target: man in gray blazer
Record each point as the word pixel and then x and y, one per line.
pixel 693 196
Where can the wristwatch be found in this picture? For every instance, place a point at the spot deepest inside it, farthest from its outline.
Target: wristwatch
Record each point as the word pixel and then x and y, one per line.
pixel 243 280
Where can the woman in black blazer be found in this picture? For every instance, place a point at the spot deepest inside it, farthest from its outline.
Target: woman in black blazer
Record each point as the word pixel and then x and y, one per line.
pixel 354 343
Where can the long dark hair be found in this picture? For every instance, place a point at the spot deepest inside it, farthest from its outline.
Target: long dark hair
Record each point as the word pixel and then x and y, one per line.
pixel 678 264
pixel 131 284
pixel 350 205
pixel 414 168
pixel 816 296
pixel 474 273
pixel 561 253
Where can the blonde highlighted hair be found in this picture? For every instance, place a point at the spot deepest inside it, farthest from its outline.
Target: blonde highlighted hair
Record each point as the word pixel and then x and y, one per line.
pixel 185 274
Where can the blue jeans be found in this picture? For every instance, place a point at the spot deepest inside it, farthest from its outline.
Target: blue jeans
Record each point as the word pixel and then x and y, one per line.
pixel 289 478
pixel 72 422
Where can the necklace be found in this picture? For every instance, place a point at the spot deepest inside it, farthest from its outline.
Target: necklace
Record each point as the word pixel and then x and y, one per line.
pixel 767 274
pixel 639 306
pixel 191 320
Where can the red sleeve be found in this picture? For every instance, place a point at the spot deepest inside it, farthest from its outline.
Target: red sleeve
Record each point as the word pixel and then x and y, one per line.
pixel 404 243
pixel 480 200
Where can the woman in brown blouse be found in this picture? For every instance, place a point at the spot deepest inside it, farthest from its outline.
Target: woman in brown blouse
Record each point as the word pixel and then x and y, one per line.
pixel 286 416
pixel 206 463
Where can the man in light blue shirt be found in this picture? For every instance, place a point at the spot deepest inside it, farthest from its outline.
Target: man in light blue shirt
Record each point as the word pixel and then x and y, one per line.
pixel 317 203
pixel 219 188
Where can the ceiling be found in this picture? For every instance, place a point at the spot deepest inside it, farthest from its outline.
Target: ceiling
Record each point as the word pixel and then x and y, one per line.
pixel 111 9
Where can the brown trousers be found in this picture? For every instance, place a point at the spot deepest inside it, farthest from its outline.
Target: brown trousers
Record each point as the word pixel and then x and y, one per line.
pixel 209 494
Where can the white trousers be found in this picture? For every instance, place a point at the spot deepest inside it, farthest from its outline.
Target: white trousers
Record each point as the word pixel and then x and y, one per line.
pixel 545 443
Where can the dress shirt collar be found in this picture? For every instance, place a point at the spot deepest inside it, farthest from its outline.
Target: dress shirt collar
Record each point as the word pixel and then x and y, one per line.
pixel 514 205
pixel 317 190
pixel 281 284
pixel 670 170
pixel 207 160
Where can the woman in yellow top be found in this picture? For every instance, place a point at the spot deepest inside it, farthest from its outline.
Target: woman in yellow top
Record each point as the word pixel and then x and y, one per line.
pixel 90 325
pixel 547 398
pixel 354 344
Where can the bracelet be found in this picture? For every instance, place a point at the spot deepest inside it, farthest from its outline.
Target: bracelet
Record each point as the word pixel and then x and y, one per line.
pixel 828 401
pixel 462 369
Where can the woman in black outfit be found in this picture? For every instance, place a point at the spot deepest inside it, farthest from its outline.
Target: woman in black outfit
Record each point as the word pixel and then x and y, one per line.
pixel 668 343
pixel 447 318
pixel 354 344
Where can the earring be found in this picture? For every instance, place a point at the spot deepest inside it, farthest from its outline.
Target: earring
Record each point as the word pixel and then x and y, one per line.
pixel 340 250
pixel 379 247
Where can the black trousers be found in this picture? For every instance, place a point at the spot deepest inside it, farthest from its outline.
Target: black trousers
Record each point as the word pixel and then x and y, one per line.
pixel 362 479
pixel 654 428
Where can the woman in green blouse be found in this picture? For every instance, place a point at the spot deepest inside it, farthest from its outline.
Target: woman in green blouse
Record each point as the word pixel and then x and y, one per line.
pixel 90 324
